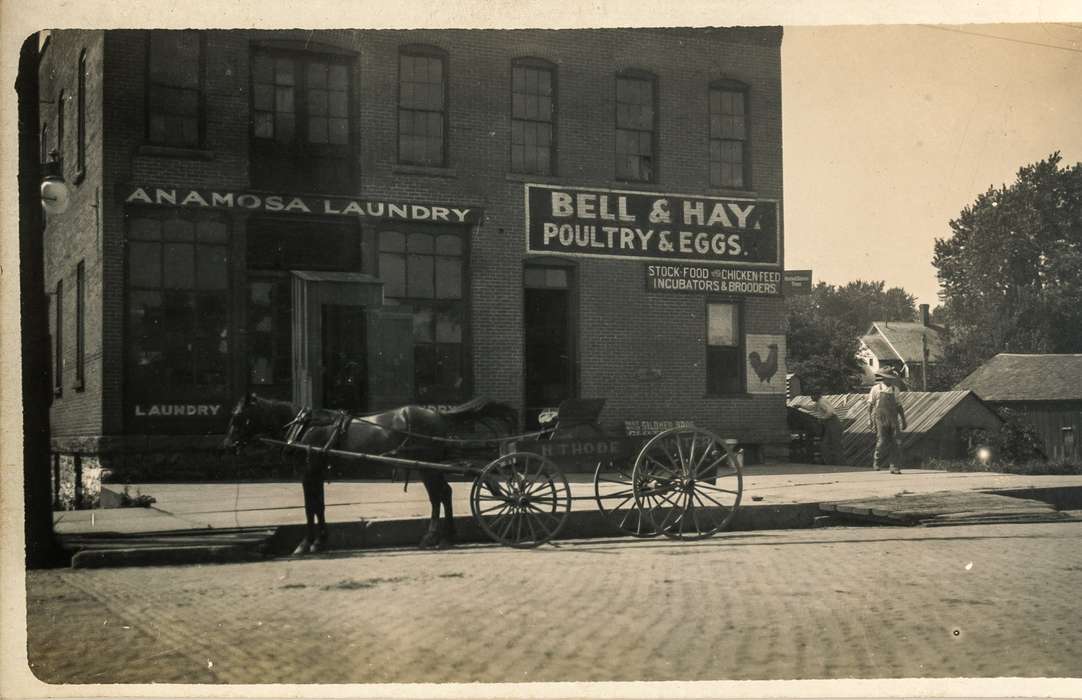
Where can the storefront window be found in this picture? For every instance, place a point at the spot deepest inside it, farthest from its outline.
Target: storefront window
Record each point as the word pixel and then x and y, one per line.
pixel 178 304
pixel 724 354
pixel 424 269
pixel 728 136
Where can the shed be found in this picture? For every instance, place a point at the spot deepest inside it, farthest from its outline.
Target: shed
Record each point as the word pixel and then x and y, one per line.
pixel 1044 391
pixel 940 424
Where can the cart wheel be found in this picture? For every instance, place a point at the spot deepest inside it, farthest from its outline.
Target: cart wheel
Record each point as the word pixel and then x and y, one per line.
pixel 613 485
pixel 687 482
pixel 521 499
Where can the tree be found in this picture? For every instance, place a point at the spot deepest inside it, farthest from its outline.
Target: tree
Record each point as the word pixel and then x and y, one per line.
pixel 823 328
pixel 1009 272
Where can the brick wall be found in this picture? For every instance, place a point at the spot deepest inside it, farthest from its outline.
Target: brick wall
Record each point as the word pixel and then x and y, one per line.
pixel 75 235
pixel 625 334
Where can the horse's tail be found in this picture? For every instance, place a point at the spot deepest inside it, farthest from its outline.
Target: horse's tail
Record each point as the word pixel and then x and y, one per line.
pixel 480 418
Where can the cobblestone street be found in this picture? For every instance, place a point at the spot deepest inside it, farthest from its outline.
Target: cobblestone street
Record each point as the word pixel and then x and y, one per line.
pixel 977 601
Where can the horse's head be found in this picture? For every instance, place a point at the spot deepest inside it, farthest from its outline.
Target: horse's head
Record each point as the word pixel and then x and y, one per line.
pixel 243 424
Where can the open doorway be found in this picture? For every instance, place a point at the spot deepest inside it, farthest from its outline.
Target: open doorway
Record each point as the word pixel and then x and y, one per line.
pixel 550 339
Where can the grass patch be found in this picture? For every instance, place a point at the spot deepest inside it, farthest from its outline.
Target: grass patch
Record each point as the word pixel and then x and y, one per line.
pixel 1029 467
pixel 457 574
pixel 350 584
pixel 295 585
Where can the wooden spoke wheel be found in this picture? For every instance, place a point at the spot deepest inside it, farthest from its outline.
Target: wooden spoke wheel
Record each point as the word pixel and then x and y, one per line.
pixel 614 493
pixel 521 500
pixel 687 483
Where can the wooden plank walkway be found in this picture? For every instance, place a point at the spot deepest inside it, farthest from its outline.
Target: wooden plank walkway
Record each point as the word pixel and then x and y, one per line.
pixel 944 508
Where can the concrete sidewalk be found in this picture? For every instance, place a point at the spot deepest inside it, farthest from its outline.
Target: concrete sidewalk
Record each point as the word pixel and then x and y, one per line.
pixel 367 513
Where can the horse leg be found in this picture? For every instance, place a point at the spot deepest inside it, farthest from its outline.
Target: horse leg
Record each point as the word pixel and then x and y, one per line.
pixel 447 537
pixel 432 488
pixel 319 506
pixel 310 497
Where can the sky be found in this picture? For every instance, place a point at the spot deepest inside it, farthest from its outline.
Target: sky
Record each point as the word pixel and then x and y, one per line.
pixel 890 131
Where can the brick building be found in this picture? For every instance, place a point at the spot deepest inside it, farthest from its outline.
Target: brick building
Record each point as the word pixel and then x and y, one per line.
pixel 525 215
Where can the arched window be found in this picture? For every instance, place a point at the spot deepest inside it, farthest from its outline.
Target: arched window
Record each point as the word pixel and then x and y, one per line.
pixel 533 116
pixel 636 126
pixel 729 166
pixel 422 106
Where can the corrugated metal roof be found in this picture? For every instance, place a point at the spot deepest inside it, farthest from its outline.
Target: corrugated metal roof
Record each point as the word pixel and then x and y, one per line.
pixel 923 411
pixel 1017 377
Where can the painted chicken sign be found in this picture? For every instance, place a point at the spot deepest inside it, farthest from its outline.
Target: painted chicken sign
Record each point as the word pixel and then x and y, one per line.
pixel 765 363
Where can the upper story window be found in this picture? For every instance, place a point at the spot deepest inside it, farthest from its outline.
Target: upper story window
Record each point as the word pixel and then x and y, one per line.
pixel 533 114
pixel 300 100
pixel 301 120
pixel 728 135
pixel 58 340
pixel 174 99
pixel 636 127
pixel 422 106
pixel 80 144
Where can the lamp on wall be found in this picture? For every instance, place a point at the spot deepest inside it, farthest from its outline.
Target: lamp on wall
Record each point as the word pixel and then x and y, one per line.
pixel 54 191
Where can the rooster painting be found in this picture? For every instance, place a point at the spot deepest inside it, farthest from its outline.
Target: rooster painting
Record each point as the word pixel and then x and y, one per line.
pixel 766 369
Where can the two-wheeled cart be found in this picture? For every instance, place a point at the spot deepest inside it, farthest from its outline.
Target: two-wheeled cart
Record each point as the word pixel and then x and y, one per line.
pixel 683 483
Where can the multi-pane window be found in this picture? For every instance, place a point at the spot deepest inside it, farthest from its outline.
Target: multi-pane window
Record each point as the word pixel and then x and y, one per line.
pixel 174 88
pixel 80 325
pixel 533 97
pixel 80 145
pixel 724 354
pixel 728 136
pixel 636 122
pixel 58 340
pixel 301 121
pixel 425 269
pixel 178 302
pixel 422 107
pixel 300 99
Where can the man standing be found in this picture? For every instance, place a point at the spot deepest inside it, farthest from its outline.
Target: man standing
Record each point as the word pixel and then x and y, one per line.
pixel 888 420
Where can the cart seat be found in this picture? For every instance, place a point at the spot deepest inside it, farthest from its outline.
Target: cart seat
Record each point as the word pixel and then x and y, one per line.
pixel 579 417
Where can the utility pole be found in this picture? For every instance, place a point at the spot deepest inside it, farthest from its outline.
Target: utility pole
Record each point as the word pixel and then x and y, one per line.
pixel 41 546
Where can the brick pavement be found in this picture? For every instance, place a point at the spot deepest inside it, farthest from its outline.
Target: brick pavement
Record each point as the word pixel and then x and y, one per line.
pixel 980 601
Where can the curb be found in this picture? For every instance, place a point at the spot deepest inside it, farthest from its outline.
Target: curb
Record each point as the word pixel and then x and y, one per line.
pixel 374 534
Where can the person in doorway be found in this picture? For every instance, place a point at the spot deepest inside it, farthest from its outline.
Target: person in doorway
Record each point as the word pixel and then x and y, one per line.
pixel 887 418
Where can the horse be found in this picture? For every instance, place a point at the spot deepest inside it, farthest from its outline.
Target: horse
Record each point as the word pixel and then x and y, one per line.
pixel 408 432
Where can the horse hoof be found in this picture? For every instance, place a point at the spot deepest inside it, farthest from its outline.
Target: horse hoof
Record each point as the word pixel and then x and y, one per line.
pixel 303 548
pixel 316 547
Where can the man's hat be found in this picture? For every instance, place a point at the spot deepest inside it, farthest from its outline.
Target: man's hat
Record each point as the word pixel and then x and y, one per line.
pixel 886 373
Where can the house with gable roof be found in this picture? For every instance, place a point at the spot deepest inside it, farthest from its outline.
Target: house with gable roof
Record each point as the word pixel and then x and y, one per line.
pixel 909 348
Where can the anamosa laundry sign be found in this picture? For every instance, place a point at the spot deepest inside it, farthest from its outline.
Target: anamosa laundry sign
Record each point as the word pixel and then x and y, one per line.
pixel 377 209
pixel 650 225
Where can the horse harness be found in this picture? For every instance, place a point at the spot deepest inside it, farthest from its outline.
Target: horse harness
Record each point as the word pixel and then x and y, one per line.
pixel 339 422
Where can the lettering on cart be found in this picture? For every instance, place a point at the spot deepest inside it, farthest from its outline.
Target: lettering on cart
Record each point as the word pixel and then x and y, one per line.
pixel 177 410
pixel 334 206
